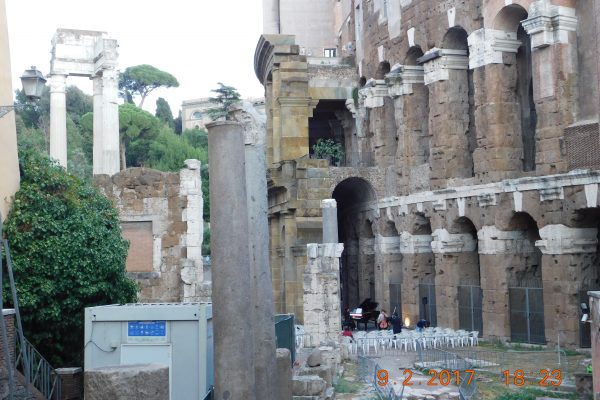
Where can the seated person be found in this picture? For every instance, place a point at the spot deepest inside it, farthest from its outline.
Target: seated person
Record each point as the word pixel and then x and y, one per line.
pixel 347 332
pixel 422 324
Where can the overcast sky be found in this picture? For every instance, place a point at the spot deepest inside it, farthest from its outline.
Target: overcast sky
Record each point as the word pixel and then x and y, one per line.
pixel 200 42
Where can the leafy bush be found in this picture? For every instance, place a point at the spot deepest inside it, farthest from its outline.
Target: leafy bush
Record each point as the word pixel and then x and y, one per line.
pixel 67 253
pixel 533 394
pixel 329 149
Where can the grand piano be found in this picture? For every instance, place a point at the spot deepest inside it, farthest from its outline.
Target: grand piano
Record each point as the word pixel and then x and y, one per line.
pixel 365 312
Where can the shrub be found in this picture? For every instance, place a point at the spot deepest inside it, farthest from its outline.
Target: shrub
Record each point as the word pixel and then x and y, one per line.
pixel 68 254
pixel 329 149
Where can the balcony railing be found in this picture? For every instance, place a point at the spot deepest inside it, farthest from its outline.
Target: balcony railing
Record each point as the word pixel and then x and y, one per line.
pixel 37 370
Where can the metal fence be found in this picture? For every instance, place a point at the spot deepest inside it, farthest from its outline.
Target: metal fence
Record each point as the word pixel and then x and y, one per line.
pixel 41 374
pixel 285 332
pixel 368 370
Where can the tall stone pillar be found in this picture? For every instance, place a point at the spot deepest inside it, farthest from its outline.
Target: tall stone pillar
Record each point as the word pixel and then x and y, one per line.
pixel 568 260
pixel 447 79
pixel 97 128
pixel 553 32
pixel 597 25
pixel 330 222
pixel 110 122
pixel 322 314
pixel 58 119
pixel 412 113
pixel 417 263
pixel 262 293
pixel 453 264
pixel 232 276
pixel 492 57
pixel 499 253
pixel 366 262
pixel 271 17
pixel 387 262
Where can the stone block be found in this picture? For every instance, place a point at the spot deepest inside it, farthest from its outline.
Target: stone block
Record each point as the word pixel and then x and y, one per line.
pixel 284 374
pixel 127 382
pixel 323 371
pixel 308 385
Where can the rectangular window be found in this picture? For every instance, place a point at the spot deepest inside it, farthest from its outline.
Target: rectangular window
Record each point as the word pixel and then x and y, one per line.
pixel 329 52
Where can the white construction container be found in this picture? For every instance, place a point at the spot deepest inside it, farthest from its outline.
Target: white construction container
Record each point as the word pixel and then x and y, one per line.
pixel 179 335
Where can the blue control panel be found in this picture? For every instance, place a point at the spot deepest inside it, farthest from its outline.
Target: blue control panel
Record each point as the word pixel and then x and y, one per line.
pixel 147 328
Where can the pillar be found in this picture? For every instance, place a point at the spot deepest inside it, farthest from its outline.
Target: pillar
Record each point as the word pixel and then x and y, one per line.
pixel 568 256
pixel 330 223
pixel 447 79
pixel 595 330
pixel 262 293
pixel 417 263
pixel 232 276
pixel 492 57
pixel 110 123
pixel 97 128
pixel 387 263
pixel 58 119
pixel 453 257
pixel 271 17
pixel 366 260
pixel 555 72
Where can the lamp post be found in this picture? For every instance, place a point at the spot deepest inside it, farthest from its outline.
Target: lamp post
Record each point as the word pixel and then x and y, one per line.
pixel 33 82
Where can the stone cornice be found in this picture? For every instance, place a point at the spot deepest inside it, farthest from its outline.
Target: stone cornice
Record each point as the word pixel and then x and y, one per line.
pixel 494 241
pixel 549 24
pixel 415 244
pixel 560 239
pixel 267 48
pixel 400 80
pixel 444 242
pixel 437 63
pixel 486 46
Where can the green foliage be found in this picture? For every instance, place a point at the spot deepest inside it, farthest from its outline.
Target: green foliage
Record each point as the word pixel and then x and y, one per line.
pixel 345 386
pixel 196 137
pixel 68 254
pixel 226 96
pixel 169 151
pixel 164 113
pixel 533 394
pixel 206 241
pixel 30 137
pixel 329 149
pixel 33 114
pixel 140 80
pixel 138 129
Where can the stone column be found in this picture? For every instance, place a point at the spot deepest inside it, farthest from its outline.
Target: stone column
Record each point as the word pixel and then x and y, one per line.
pixel 232 276
pixel 568 260
pixel 552 29
pixel 412 113
pixel 97 128
pixel 322 315
pixel 387 254
pixel 330 223
pixel 58 119
pixel 447 79
pixel 192 274
pixel 262 292
pixel 453 259
pixel 597 25
pixel 366 260
pixel 492 57
pixel 499 252
pixel 110 123
pixel 417 263
pixel 351 266
pixel 595 330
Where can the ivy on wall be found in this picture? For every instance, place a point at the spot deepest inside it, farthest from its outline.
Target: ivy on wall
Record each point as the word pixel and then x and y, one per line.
pixel 68 254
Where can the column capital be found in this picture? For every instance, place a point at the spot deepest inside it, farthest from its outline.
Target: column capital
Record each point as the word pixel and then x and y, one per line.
pixel 437 63
pixel 58 83
pixel 374 92
pixel 445 242
pixel 487 46
pixel 548 24
pixel 494 241
pixel 401 79
pixel 415 244
pixel 387 244
pixel 560 239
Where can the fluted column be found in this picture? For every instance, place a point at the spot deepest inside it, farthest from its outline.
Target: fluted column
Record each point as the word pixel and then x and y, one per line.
pixel 58 119
pixel 110 122
pixel 97 140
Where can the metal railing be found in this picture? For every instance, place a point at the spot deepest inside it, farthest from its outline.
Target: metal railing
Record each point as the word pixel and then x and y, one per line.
pixel 40 373
pixel 450 361
pixel 368 370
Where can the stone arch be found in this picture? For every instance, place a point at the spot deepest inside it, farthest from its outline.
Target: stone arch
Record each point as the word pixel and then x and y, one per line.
pixel 508 19
pixel 383 68
pixel 494 7
pixel 412 55
pixel 355 197
pixel 455 38
pixel 362 81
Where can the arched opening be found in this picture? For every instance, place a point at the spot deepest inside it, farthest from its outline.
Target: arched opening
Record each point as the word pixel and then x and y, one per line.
pixel 470 295
pixel 326 132
pixel 362 81
pixel 509 20
pixel 414 53
pixel 355 198
pixel 424 267
pixel 525 290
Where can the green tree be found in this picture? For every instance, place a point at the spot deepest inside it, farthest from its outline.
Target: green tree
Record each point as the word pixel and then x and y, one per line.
pixel 138 129
pixel 32 113
pixel 163 112
pixel 67 254
pixel 141 80
pixel 169 151
pixel 226 96
pixel 196 137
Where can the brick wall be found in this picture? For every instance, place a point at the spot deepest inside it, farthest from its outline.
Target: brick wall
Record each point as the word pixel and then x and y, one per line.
pixel 9 320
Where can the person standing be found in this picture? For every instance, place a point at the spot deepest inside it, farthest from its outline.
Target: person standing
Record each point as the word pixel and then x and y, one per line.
pixel 396 322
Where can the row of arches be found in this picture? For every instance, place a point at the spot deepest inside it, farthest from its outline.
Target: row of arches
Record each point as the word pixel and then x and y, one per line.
pixel 444 276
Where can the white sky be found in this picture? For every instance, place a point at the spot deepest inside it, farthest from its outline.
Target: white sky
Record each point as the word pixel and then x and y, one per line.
pixel 200 42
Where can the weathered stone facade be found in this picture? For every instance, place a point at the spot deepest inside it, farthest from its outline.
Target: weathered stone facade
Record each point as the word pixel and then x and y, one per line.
pixel 161 216
pixel 470 179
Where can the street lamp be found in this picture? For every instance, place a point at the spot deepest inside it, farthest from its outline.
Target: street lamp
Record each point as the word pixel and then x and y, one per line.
pixel 33 85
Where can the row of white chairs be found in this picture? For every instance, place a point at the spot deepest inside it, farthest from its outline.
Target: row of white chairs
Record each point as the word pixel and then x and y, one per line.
pixel 376 341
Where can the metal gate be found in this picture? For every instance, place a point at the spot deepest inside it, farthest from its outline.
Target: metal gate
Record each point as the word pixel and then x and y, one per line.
pixel 427 303
pixel 526 301
pixel 395 298
pixel 470 312
pixel 585 337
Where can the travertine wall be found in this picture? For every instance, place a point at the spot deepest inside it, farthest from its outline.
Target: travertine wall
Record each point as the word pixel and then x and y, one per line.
pixel 9 165
pixel 169 205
